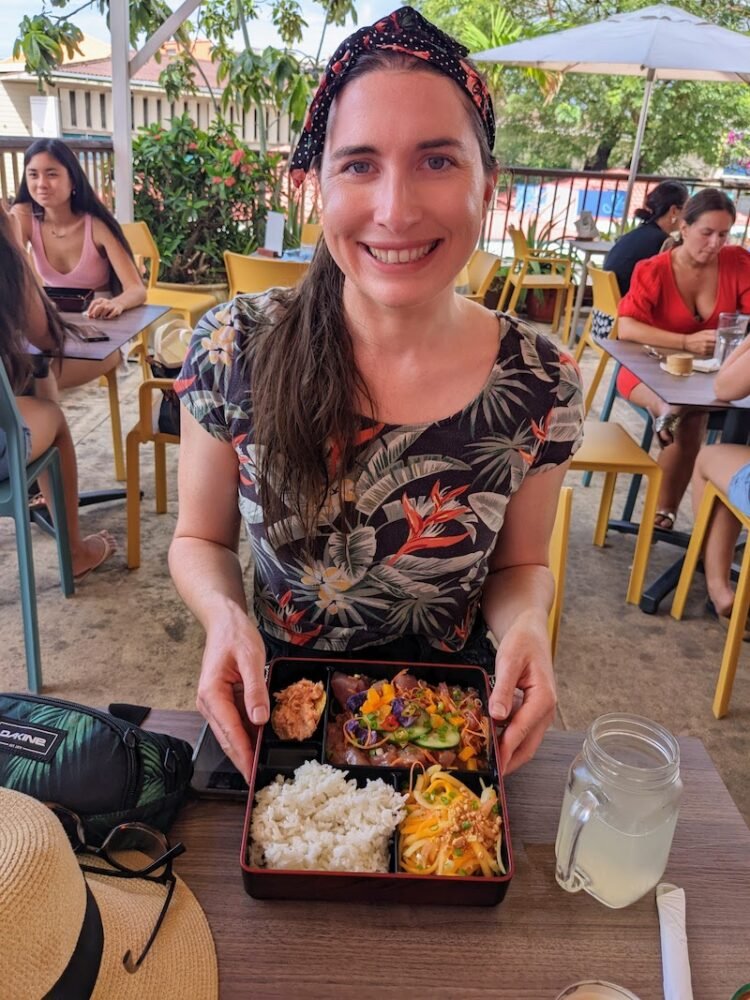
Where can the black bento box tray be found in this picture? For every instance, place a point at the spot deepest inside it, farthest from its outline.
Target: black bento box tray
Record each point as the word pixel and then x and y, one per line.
pixel 274 756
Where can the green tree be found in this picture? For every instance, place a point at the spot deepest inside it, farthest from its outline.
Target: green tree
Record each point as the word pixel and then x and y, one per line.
pixel 592 120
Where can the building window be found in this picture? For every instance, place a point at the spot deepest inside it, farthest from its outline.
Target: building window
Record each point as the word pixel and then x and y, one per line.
pixel 87 107
pixel 198 114
pixel 158 110
pixel 73 108
pixel 244 124
pixel 231 115
pixel 132 111
pixel 103 109
pixel 172 110
pixel 145 111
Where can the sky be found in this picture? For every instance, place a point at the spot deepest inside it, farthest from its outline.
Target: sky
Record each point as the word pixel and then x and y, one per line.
pixel 262 31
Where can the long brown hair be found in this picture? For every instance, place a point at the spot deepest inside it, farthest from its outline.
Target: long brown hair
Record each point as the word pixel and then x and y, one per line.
pixel 307 391
pixel 19 284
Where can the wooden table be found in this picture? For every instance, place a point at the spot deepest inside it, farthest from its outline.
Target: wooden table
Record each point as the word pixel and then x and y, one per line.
pixel 677 390
pixel 696 390
pixel 588 248
pixel 539 940
pixel 122 329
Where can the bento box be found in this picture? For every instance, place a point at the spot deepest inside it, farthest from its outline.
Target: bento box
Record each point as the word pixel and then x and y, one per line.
pixel 424 730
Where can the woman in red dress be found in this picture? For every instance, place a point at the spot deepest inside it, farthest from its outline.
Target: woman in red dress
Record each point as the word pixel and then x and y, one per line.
pixel 674 302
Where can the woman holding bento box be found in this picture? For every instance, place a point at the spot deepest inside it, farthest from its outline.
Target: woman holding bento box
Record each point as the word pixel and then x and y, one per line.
pixel 75 242
pixel 394 450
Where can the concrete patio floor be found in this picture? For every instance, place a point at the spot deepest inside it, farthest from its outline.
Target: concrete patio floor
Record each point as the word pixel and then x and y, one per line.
pixel 126 636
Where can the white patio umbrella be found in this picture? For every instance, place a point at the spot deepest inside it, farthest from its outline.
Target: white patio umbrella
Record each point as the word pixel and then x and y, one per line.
pixel 659 43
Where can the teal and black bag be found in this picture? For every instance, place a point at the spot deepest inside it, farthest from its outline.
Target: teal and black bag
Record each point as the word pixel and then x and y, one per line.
pixel 103 768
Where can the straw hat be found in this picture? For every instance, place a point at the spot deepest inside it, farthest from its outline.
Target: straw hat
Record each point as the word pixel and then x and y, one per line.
pixel 50 916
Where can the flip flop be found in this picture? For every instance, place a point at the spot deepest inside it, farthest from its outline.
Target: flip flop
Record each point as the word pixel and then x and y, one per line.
pixel 108 549
pixel 667 515
pixel 725 619
pixel 664 428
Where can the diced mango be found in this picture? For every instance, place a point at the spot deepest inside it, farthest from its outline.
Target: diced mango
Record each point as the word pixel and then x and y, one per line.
pixel 456 720
pixel 467 753
pixel 437 721
pixel 472 765
pixel 388 692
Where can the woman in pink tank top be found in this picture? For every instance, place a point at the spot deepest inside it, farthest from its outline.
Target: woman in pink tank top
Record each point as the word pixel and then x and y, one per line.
pixel 76 242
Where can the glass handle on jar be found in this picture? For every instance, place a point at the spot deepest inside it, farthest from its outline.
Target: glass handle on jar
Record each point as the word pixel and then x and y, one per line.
pixel 581 811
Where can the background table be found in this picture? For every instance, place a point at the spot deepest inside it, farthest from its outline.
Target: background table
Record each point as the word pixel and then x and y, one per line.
pixel 123 328
pixel 536 942
pixel 588 248
pixel 696 390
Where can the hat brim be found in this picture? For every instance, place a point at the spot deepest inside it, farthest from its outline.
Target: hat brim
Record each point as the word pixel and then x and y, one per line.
pixel 181 963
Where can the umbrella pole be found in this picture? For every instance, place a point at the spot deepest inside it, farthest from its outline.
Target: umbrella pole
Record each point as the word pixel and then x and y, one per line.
pixel 638 140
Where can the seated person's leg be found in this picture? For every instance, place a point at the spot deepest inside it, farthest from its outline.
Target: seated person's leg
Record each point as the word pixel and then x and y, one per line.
pixel 48 426
pixel 727 466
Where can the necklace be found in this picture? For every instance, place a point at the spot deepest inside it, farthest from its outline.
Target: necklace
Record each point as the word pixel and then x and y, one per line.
pixel 54 232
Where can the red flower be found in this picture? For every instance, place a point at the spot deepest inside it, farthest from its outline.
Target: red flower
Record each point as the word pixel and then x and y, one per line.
pixel 419 535
pixel 236 158
pixel 230 182
pixel 217 180
pixel 192 145
pixel 246 168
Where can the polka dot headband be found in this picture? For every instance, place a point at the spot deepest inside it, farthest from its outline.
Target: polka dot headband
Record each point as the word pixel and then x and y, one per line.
pixel 405 30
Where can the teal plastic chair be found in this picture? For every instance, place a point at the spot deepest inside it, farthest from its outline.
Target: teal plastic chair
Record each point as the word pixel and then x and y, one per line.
pixel 14 503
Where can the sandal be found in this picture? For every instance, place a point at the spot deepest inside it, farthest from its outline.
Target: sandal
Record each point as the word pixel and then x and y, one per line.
pixel 725 619
pixel 664 428
pixel 109 547
pixel 665 515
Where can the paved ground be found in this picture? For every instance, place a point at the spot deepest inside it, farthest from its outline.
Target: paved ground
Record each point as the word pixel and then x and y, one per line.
pixel 125 636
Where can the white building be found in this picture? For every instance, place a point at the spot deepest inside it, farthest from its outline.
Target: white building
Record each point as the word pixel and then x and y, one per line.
pixel 77 104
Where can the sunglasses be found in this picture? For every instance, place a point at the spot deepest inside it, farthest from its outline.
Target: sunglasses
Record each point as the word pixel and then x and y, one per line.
pixel 126 837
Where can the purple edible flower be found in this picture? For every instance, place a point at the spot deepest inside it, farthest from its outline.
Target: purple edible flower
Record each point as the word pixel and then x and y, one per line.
pixel 405 718
pixel 355 701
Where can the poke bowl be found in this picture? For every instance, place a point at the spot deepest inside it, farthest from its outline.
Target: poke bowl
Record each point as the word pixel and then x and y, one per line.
pixel 377 781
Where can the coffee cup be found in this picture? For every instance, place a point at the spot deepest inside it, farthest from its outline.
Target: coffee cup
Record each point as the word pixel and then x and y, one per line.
pixel 679 364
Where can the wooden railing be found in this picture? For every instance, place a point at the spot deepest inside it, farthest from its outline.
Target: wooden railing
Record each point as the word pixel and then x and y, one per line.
pixel 94 155
pixel 543 203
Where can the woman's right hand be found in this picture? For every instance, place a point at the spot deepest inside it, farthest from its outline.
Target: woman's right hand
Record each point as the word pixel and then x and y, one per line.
pixel 231 689
pixel 701 343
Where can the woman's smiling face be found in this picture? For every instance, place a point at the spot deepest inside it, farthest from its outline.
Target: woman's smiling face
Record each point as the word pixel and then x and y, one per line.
pixel 403 186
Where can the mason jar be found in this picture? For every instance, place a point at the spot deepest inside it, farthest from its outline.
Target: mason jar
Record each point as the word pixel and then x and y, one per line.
pixel 619 810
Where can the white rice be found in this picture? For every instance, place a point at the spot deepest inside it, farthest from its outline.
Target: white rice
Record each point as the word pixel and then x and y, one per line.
pixel 320 821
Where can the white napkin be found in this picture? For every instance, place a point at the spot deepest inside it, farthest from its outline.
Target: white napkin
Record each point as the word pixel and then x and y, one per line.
pixel 670 902
pixel 706 364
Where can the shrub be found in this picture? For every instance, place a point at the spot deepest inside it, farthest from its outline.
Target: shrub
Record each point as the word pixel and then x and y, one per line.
pixel 201 193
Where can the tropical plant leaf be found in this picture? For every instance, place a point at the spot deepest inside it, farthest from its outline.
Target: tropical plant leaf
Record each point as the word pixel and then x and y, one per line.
pixel 353 552
pixel 490 507
pixel 414 469
pixel 430 568
pixel 383 454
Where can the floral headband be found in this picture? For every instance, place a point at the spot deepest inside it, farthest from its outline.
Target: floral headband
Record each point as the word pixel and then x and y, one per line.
pixel 405 30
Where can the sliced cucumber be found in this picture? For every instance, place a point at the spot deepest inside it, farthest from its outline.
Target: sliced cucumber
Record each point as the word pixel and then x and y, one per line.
pixel 444 738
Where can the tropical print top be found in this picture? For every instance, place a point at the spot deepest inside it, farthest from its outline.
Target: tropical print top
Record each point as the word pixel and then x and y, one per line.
pixel 424 504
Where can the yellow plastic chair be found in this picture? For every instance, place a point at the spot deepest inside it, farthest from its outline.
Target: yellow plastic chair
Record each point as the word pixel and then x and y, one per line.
pixel 257 274
pixel 523 275
pixel 191 305
pixel 311 233
pixel 558 559
pixel 142 433
pixel 608 448
pixel 606 300
pixel 110 380
pixel 733 643
pixel 480 270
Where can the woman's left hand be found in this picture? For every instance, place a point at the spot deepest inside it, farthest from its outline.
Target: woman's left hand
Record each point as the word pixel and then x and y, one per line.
pixel 104 309
pixel 523 661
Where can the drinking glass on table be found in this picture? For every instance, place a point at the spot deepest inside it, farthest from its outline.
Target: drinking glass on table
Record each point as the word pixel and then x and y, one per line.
pixel 619 810
pixel 730 333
